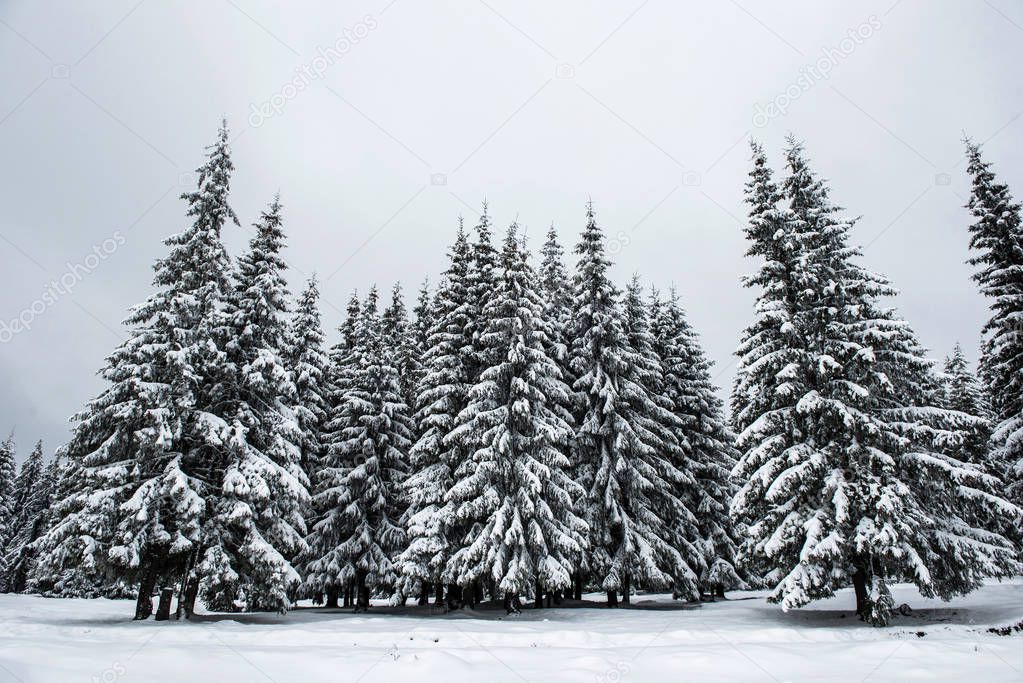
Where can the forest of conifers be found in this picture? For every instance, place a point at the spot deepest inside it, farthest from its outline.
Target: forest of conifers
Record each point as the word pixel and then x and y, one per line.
pixel 532 430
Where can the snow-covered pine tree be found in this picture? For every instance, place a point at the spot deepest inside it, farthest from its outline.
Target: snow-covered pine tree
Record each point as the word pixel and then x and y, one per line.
pixel 962 392
pixel 309 367
pixel 322 573
pixel 711 453
pixel 397 338
pixel 258 518
pixel 996 237
pixel 143 456
pixel 629 536
pixel 31 498
pixel 765 346
pixel 8 472
pixel 375 430
pixel 663 431
pixel 419 337
pixel 556 293
pixel 441 396
pixel 513 495
pixel 481 283
pixel 852 485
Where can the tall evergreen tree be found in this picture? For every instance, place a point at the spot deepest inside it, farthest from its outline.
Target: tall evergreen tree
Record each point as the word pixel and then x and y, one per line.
pixel 441 396
pixel 709 444
pixel 556 293
pixel 323 576
pixel 663 431
pixel 258 521
pixel 365 491
pixel 419 337
pixel 309 368
pixel 622 473
pixel 32 491
pixel 8 472
pixel 144 454
pixel 851 484
pixel 996 237
pixel 397 338
pixel 513 495
pixel 962 392
pixel 480 287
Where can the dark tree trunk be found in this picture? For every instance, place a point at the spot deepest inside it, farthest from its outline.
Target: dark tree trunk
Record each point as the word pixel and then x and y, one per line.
pixel 361 593
pixel 332 596
pixel 191 595
pixel 538 595
pixel 438 599
pixel 454 596
pixel 626 590
pixel 144 602
pixel 477 593
pixel 860 587
pixel 719 591
pixel 577 592
pixel 424 594
pixel 612 598
pixel 163 608
pixel 347 601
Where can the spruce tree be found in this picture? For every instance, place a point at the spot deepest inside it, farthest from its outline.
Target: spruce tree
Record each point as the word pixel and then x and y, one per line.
pixel 996 237
pixel 143 457
pixel 322 573
pixel 852 485
pixel 625 477
pixel 258 518
pixel 512 495
pixel 709 445
pixel 962 392
pixel 663 431
pixel 309 369
pixel 8 507
pixel 441 396
pixel 32 491
pixel 419 337
pixel 556 293
pixel 397 337
pixel 364 492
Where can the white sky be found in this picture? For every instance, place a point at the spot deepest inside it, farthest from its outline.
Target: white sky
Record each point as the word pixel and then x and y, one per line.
pixel 645 106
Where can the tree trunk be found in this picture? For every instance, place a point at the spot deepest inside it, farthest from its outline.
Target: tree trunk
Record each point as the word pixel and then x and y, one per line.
pixel 144 602
pixel 361 593
pixel 626 590
pixel 578 588
pixel 719 590
pixel 439 597
pixel 538 595
pixel 332 596
pixel 612 598
pixel 424 594
pixel 860 587
pixel 454 596
pixel 191 595
pixel 477 593
pixel 163 608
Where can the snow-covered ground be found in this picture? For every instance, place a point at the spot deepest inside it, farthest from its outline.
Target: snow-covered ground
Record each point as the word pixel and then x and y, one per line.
pixel 742 639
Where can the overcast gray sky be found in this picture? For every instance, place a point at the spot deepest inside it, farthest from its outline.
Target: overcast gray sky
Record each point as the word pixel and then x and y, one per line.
pixel 380 122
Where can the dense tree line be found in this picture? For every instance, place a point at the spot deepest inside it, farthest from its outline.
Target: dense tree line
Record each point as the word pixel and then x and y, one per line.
pixel 532 430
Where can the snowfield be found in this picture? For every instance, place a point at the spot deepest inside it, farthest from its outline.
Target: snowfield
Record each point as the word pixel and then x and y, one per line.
pixel 742 639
